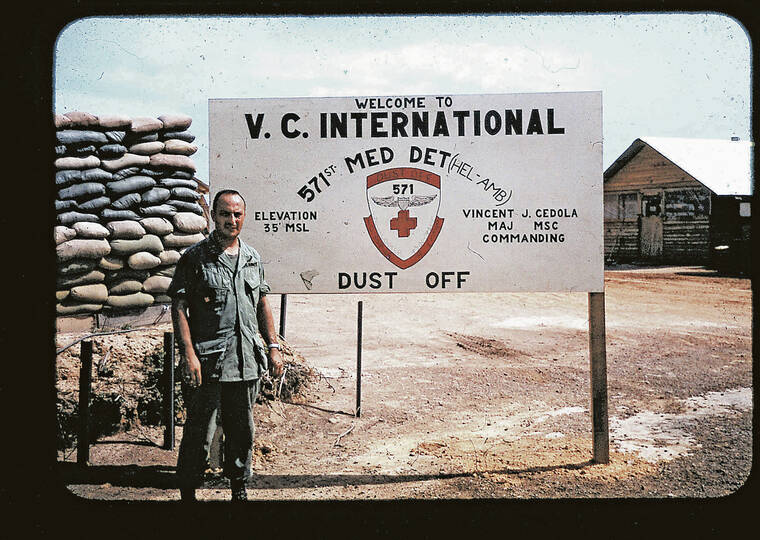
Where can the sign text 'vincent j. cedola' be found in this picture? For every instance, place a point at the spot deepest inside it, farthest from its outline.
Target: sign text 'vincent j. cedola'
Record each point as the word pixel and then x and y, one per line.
pixel 461 193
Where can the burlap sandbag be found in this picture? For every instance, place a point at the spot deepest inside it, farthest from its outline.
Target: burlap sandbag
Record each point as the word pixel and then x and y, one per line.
pixel 157 284
pixel 175 122
pixel 83 191
pixel 138 138
pixel 130 230
pixel 67 205
pixel 96 175
pixel 61 122
pixel 125 247
pixel 126 172
pixel 111 151
pixel 176 146
pixel 111 263
pixel 153 173
pixel 144 124
pixel 181 135
pixel 159 210
pixel 127 286
pixel 129 185
pixel 69 218
pixel 185 194
pixel 186 206
pixel 178 182
pixel 181 240
pixel 90 230
pixel 127 301
pixel 80 137
pixel 147 148
pixel 94 205
pixel 189 222
pixel 114 121
pixel 170 256
pixel 76 267
pixel 65 308
pixel 115 136
pixel 79 150
pixel 155 196
pixel 157 225
pixel 61 233
pixel 169 160
pixel 162 299
pixel 127 160
pixel 142 260
pixel 61 295
pixel 126 201
pixel 184 175
pixel 168 271
pixel 126 274
pixel 78 162
pixel 81 119
pixel 93 276
pixel 109 214
pixel 85 249
pixel 95 293
pixel 67 177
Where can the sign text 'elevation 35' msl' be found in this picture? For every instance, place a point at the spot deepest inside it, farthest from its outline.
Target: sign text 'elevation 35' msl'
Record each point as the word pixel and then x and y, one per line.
pixel 468 193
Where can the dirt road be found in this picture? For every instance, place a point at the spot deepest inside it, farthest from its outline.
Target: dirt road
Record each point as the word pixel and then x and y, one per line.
pixel 487 396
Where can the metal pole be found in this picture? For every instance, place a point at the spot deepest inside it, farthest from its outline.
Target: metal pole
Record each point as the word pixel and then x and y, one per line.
pixel 359 361
pixel 283 311
pixel 85 387
pixel 598 353
pixel 168 397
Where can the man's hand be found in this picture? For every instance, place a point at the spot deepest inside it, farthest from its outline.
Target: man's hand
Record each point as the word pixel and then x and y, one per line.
pixel 275 362
pixel 191 368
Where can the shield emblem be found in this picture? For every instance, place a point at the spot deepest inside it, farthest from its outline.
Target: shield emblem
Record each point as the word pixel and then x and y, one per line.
pixel 403 205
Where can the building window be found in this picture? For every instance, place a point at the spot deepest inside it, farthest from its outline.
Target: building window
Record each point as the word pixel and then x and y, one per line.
pixel 610 206
pixel 629 205
pixel 621 205
pixel 744 209
pixel 687 204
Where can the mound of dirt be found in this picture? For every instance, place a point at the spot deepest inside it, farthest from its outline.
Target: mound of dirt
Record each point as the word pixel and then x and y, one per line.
pixel 128 378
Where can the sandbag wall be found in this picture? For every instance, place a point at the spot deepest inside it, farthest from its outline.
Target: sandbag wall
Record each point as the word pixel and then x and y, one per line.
pixel 127 207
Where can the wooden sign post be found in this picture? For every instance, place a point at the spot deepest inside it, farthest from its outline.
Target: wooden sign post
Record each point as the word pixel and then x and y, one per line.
pixel 598 358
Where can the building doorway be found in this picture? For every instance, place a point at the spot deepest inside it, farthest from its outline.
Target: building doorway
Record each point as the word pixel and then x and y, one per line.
pixel 650 234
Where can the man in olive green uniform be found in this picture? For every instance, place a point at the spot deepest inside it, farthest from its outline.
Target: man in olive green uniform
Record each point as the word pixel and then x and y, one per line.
pixel 219 306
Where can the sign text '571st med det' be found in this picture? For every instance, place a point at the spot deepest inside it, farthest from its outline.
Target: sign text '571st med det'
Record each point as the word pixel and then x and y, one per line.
pixel 467 193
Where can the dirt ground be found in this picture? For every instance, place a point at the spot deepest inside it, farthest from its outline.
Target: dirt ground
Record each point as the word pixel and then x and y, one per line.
pixel 486 396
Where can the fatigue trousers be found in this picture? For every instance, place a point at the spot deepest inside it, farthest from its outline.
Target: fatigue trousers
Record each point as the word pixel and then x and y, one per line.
pixel 234 401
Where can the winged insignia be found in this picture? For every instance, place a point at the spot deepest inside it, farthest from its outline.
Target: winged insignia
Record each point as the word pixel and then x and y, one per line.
pixel 404 202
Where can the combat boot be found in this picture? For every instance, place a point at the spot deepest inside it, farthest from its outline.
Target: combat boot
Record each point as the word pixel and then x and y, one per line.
pixel 238 490
pixel 187 494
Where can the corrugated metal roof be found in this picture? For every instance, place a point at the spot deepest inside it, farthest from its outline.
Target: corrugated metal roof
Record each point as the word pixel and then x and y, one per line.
pixel 723 166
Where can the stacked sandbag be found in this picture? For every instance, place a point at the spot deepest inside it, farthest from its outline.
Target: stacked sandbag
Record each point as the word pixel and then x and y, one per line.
pixel 127 206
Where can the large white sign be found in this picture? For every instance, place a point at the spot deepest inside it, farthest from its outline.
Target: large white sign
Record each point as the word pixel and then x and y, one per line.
pixel 417 193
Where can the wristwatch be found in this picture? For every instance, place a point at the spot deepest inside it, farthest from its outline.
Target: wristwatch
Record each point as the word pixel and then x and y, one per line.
pixel 274 346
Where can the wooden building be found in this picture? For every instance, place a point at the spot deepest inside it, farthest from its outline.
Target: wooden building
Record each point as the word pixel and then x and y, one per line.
pixel 680 201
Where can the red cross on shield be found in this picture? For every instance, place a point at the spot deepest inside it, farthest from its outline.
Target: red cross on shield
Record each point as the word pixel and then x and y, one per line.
pixel 403 205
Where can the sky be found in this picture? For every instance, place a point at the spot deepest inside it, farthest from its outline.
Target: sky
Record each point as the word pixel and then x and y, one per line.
pixel 661 74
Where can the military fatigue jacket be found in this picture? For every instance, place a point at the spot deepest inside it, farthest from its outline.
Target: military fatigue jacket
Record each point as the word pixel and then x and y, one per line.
pixel 208 284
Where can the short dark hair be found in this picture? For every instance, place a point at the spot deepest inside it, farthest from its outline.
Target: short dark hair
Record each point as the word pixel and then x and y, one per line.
pixel 225 192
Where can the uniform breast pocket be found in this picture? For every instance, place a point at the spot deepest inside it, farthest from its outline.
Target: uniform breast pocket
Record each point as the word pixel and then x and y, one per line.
pixel 252 287
pixel 215 298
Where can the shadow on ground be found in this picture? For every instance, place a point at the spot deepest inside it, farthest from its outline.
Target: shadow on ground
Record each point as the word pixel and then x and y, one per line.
pixel 162 477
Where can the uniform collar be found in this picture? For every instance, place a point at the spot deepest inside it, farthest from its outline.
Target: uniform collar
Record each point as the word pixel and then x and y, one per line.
pixel 246 254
